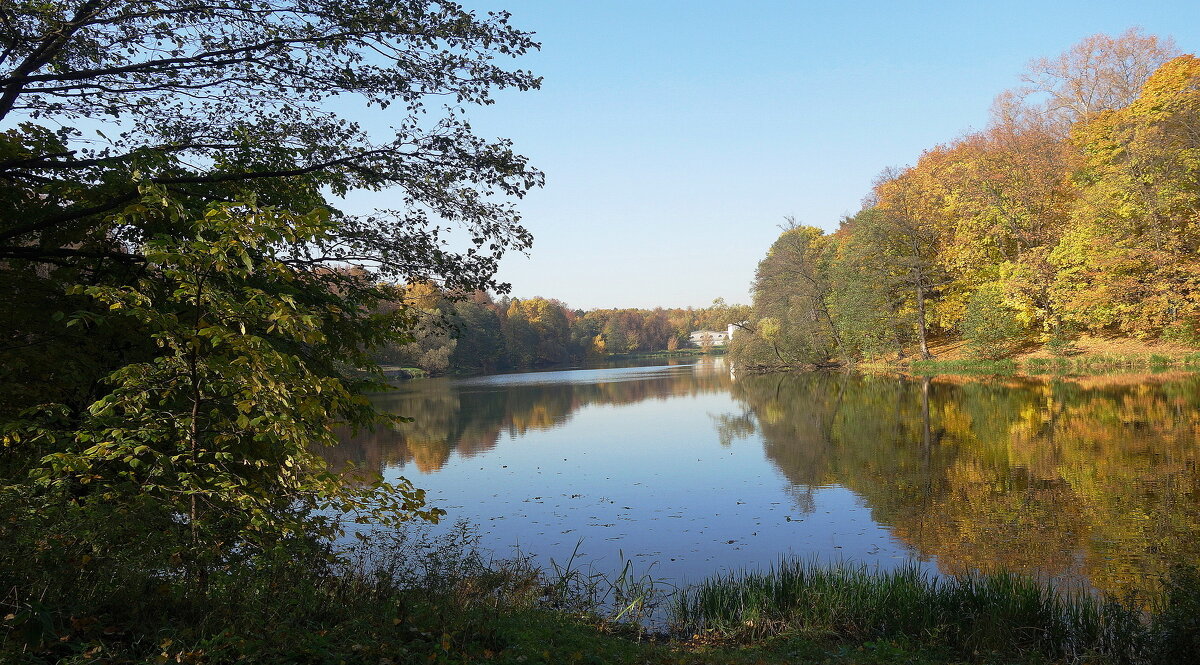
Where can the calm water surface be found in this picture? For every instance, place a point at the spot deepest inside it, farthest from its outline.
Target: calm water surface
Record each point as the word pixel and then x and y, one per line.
pixel 688 471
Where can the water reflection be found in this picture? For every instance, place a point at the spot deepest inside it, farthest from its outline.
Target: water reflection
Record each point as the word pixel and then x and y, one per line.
pixel 467 417
pixel 1090 479
pixel 1072 477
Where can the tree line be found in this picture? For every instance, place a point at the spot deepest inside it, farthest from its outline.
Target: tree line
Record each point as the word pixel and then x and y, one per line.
pixel 1074 211
pixel 476 332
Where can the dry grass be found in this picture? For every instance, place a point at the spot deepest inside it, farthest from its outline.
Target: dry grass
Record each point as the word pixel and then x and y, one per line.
pixel 952 349
pixel 1116 346
pixel 1085 345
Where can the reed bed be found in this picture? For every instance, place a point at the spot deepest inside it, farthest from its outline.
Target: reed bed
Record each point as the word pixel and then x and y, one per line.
pixel 412 598
pixel 1002 614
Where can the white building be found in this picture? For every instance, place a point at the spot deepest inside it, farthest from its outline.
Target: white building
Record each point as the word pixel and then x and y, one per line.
pixel 709 337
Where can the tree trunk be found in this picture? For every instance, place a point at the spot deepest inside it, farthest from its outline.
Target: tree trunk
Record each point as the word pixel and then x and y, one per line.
pixel 922 333
pixel 837 339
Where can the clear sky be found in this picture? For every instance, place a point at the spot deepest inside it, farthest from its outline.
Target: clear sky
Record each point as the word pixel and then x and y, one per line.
pixel 677 135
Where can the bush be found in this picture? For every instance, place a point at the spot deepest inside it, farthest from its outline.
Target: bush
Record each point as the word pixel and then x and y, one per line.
pixel 1061 346
pixel 1183 333
pixel 991 328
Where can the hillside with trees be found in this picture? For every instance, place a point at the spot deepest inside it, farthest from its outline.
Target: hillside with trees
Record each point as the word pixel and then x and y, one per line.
pixel 1074 212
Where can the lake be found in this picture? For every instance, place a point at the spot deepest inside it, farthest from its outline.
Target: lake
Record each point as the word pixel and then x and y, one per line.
pixel 688 470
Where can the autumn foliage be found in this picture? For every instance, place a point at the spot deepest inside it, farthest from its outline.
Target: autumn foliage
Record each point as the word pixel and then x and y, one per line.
pixel 1075 211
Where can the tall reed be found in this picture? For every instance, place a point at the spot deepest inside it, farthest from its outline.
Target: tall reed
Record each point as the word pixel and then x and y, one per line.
pixel 999 613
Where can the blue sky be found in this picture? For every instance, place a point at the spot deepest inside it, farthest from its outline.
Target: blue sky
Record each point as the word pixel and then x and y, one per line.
pixel 676 136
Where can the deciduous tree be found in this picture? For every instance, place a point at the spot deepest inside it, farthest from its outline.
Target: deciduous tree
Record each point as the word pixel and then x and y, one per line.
pixel 1099 73
pixel 176 277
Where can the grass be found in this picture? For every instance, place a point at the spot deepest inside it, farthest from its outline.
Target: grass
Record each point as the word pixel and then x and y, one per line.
pixel 997 616
pixel 1103 362
pixel 400 598
pixel 1081 364
pixel 965 366
pixel 1085 354
pixel 404 598
pixel 1097 363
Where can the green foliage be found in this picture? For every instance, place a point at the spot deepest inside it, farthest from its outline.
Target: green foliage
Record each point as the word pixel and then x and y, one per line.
pixel 1060 345
pixel 162 113
pixel 867 310
pixel 990 327
pixel 218 425
pixel 178 287
pixel 792 322
pixel 1184 332
pixel 1001 615
pixel 186 318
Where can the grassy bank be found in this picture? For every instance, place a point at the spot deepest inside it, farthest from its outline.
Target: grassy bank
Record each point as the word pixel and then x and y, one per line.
pixel 400 599
pixel 998 617
pixel 1084 355
pixel 1081 364
pixel 409 600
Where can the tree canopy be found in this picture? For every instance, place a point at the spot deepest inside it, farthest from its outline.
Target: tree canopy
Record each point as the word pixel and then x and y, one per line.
pixel 187 310
pixel 1073 212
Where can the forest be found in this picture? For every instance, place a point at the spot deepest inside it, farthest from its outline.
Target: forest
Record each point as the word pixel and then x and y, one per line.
pixel 1074 211
pixel 463 333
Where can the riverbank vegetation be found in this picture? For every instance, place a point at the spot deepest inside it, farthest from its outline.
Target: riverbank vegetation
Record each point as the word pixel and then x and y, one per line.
pixel 997 616
pixel 406 599
pixel 1071 214
pixel 1084 355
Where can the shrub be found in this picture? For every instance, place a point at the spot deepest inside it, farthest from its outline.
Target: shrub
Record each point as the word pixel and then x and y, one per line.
pixel 1183 333
pixel 990 327
pixel 1061 346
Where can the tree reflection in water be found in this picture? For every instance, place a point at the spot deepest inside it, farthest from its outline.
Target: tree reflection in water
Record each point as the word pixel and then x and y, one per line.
pixel 468 417
pixel 1092 477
